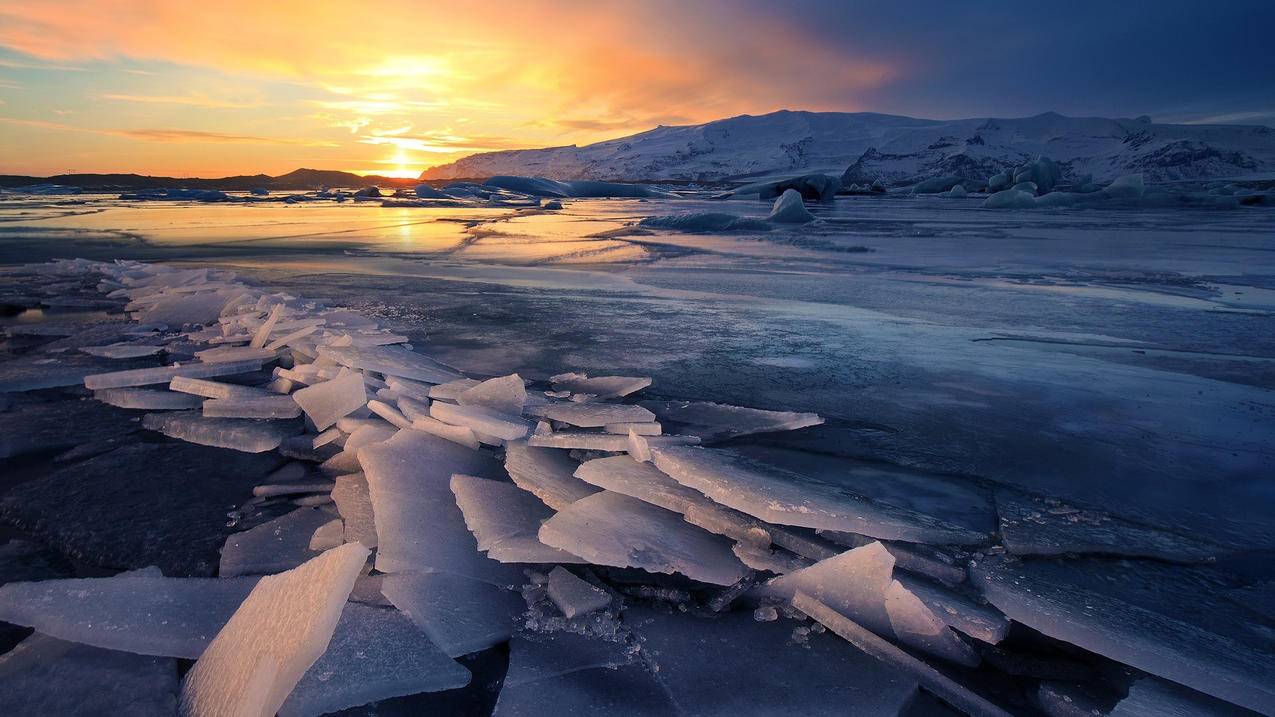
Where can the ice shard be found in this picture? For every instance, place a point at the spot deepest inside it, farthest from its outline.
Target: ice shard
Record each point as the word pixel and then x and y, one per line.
pixel 574 596
pixel 354 503
pixel 328 401
pixel 716 421
pixel 249 436
pixel 274 637
pixel 147 399
pixel 506 394
pixel 458 614
pixel 505 519
pixel 254 407
pixel 597 415
pixel 608 528
pixel 391 361
pixel 165 374
pixel 274 546
pixel 546 473
pixel 601 386
pixel 481 420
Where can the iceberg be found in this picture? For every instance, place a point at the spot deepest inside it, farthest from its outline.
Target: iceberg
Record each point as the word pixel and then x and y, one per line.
pixel 790 209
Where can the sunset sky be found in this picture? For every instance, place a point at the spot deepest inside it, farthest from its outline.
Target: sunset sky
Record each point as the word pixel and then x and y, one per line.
pixel 210 89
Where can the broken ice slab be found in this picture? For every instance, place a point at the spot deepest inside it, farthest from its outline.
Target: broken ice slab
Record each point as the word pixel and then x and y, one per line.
pixel 460 435
pixel 234 353
pixel 354 503
pixel 780 496
pixel 1151 697
pixel 481 420
pixel 324 403
pixel 410 389
pixel 735 665
pixel 1170 621
pixel 389 413
pixel 959 611
pixel 418 525
pixel 322 439
pixel 391 361
pixel 1031 525
pixel 292 336
pixel 347 461
pixel 255 407
pixel 778 561
pixel 328 536
pixel 122 351
pixel 147 399
pixel 600 386
pixel 505 394
pixel 268 490
pixel 608 528
pixel 504 520
pixel 574 596
pixel 47 676
pixel 274 546
pixel 458 614
pixel 274 637
pixel 411 408
pixel 451 390
pixel 263 332
pixel 596 415
pixel 375 654
pixel 173 617
pixel 213 389
pixel 568 674
pixel 601 441
pixel 165 374
pixel 185 309
pixel 860 585
pixel 920 559
pixel 931 679
pixel 249 436
pixel 641 429
pixel 716 421
pixel 546 473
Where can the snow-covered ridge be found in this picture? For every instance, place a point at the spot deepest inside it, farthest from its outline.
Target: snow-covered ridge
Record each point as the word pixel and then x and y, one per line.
pixel 899 150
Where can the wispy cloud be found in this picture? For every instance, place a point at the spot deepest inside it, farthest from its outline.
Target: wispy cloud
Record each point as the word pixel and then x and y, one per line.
pixel 187 100
pixel 164 134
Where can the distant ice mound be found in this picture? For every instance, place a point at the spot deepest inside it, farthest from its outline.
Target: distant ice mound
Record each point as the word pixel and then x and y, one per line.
pixel 790 209
pixel 545 187
pixel 815 187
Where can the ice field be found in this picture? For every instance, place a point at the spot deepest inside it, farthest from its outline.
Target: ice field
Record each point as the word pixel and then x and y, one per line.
pixel 915 457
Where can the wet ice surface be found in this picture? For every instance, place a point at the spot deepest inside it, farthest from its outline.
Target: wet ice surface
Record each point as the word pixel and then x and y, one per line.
pixel 1014 389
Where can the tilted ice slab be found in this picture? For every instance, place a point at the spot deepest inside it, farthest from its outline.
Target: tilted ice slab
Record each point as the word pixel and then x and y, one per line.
pixel 602 441
pixel 779 496
pixel 274 637
pixel 47 676
pixel 354 502
pixel 418 525
pixel 147 399
pixel 1036 526
pixel 546 473
pixel 860 584
pixel 505 519
pixel 608 528
pixel 574 596
pixel 188 309
pixel 481 420
pixel 174 617
pixel 213 389
pixel 753 668
pixel 240 434
pixel 254 407
pixel 165 374
pixel 1137 613
pixel 375 654
pixel 596 415
pixel 391 361
pixel 458 614
pixel 505 394
pixel 601 386
pixel 274 546
pixel 122 351
pixel 713 421
pixel 329 401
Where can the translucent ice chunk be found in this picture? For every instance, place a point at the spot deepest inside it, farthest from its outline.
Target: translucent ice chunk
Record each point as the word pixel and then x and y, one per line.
pixel 244 435
pixel 375 654
pixel 458 614
pixel 602 441
pixel 175 617
pixel 596 415
pixel 354 503
pixel 641 429
pixel 391 361
pixel 47 676
pixel 147 399
pixel 212 389
pixel 780 496
pixel 328 536
pixel 546 473
pixel 410 389
pixel 274 637
pixel 272 547
pixel 608 528
pixel 506 394
pixel 714 421
pixel 328 401
pixel 505 519
pixel 418 525
pixel 263 333
pixel 600 386
pixel 254 407
pixel 165 374
pixel 122 351
pixel 460 435
pixel 574 596
pixel 481 420
pixel 452 390
pixel 563 673
pixel 227 354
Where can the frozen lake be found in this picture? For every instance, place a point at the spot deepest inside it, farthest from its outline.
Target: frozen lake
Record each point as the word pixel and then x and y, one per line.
pixel 1118 359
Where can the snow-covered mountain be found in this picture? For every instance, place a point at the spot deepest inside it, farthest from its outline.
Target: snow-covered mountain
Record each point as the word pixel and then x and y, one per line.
pixel 894 148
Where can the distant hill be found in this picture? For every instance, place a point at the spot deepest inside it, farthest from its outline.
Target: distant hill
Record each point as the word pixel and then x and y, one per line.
pixel 865 146
pixel 301 179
